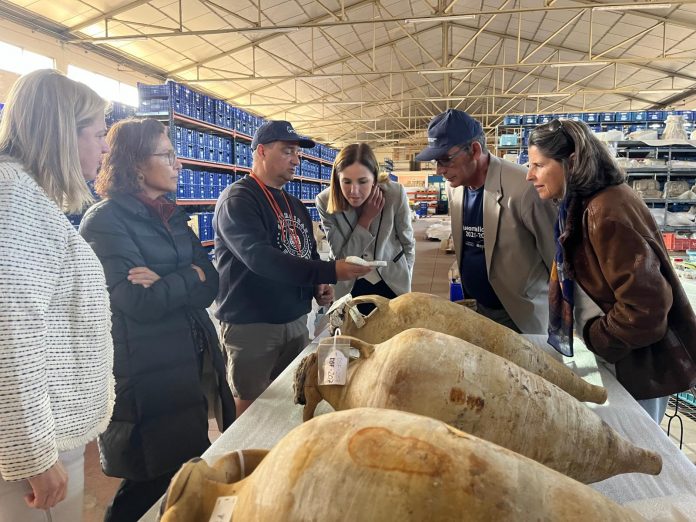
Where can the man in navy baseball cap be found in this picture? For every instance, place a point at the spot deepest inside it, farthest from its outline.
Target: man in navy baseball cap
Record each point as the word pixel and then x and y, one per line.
pixel 447 130
pixel 268 265
pixel 279 130
pixel 502 231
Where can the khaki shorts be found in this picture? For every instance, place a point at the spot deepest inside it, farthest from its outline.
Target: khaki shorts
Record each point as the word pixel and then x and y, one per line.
pixel 256 353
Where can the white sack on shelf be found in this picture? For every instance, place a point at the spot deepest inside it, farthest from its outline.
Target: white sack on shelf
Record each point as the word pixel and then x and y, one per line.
pixel 674 219
pixel 642 135
pixel 678 189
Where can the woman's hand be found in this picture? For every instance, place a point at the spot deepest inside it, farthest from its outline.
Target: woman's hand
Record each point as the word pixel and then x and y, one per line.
pixel 142 275
pixel 199 271
pixel 372 207
pixel 48 488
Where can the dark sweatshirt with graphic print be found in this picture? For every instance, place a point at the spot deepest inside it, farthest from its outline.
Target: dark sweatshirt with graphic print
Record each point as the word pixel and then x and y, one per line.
pixel 264 277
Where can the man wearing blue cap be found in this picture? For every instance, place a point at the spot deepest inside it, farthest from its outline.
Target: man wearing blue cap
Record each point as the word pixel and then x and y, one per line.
pixel 502 231
pixel 269 266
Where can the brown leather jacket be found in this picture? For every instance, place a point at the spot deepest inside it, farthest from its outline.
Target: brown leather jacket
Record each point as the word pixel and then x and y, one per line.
pixel 649 330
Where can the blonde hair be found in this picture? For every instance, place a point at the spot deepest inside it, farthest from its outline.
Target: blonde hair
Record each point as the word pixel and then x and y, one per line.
pixel 44 113
pixel 360 153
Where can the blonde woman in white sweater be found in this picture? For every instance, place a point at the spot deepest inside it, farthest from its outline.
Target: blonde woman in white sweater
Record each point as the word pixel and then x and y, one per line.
pixel 56 353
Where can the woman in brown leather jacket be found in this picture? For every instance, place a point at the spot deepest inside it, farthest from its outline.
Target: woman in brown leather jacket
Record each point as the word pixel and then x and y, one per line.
pixel 612 279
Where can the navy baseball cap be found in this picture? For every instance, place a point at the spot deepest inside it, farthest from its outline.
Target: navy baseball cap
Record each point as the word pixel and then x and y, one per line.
pixel 279 130
pixel 447 130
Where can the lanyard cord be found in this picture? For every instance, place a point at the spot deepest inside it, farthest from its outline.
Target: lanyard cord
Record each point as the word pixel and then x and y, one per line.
pixel 279 214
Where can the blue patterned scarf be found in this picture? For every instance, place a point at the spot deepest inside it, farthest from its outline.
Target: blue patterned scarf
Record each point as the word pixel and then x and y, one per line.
pixel 561 290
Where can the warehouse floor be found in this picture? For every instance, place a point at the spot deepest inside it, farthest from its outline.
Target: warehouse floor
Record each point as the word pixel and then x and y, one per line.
pixel 430 275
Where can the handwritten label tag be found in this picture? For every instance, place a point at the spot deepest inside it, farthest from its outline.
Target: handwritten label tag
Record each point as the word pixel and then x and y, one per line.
pixel 223 510
pixel 333 355
pixel 335 368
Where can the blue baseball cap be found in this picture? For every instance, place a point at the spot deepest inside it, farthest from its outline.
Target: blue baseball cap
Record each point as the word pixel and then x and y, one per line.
pixel 447 130
pixel 279 130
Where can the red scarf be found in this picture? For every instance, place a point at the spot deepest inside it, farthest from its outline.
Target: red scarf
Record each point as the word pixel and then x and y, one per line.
pixel 160 207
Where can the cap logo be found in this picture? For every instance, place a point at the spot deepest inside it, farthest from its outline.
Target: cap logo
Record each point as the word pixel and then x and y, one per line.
pixel 291 130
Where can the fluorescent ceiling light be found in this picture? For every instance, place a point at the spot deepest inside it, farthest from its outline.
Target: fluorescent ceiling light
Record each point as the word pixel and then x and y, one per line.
pixel 630 7
pixel 446 71
pixel 439 18
pixel 266 29
pixel 550 95
pixel 576 64
pixel 345 102
pixel 660 91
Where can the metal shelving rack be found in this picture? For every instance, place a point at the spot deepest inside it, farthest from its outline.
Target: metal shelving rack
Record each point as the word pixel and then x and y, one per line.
pixel 159 104
pixel 666 150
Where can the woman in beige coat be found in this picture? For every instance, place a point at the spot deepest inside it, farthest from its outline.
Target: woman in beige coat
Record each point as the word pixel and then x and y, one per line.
pixel 367 216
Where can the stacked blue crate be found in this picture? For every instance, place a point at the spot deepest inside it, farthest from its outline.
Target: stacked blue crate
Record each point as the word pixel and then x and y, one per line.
pixel 326 172
pixel 313 213
pixel 119 111
pixel 205 225
pixel 242 154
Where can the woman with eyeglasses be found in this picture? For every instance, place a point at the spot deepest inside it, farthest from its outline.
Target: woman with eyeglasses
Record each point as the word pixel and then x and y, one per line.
pixel 168 365
pixel 368 216
pixel 612 279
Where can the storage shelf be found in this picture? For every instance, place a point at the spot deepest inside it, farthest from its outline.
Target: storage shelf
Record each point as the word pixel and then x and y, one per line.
pixel 671 201
pixel 212 164
pixel 660 170
pixel 204 124
pixel 313 180
pixel 687 228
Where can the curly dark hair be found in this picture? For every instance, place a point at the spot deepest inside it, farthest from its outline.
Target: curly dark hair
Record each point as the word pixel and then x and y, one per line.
pixel 132 142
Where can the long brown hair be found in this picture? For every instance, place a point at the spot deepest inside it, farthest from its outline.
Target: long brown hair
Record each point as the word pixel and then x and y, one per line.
pixel 43 116
pixel 356 153
pixel 592 167
pixel 132 142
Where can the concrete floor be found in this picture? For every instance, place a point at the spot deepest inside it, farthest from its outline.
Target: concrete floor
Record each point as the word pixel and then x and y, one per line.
pixel 430 275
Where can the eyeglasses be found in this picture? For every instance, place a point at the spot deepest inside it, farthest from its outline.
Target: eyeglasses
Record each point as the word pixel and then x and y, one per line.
pixel 556 125
pixel 447 161
pixel 170 156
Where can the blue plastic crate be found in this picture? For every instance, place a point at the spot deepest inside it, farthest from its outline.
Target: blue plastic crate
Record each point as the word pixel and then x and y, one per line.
pixel 529 119
pixel 545 118
pixel 656 116
pixel 512 119
pixel 624 116
pixel 640 116
pixel 607 116
pixel 508 140
pixel 591 117
pixel 575 116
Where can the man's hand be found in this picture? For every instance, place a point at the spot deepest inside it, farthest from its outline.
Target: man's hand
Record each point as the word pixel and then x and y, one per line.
pixel 47 488
pixel 142 275
pixel 346 271
pixel 323 294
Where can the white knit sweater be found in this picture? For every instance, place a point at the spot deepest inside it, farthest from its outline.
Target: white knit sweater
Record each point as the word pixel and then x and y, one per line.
pixel 56 352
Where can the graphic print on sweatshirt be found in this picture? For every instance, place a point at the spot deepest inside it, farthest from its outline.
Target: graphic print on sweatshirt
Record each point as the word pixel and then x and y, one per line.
pixel 285 240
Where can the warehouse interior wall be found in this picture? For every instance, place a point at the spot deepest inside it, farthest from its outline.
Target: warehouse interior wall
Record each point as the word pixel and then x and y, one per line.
pixel 63 54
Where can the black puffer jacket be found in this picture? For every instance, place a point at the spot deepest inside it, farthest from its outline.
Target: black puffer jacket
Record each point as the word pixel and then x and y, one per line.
pixel 160 417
